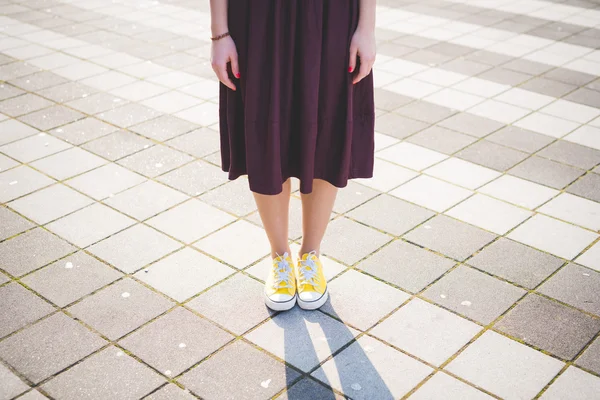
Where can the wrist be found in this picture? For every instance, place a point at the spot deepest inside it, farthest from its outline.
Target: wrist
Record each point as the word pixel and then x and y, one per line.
pixel 366 28
pixel 217 30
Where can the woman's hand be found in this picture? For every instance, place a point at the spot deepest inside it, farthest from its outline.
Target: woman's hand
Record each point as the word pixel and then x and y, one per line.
pixel 363 46
pixel 224 51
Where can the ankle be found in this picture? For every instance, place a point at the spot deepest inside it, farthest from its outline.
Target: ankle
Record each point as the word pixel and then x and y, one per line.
pixel 304 251
pixel 277 253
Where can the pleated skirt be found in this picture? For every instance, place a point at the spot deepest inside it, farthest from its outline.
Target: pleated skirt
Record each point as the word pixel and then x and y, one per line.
pixel 296 112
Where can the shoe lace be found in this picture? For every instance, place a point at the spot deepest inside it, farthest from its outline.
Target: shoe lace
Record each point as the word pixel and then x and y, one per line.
pixel 282 271
pixel 308 270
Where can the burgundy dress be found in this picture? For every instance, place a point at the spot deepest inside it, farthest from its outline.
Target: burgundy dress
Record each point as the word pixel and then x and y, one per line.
pixel 296 112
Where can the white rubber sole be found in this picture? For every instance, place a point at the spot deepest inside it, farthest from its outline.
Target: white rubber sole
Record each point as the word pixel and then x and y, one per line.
pixel 280 305
pixel 313 305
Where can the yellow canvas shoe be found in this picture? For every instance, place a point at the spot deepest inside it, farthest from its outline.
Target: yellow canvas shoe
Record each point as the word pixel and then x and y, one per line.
pixel 312 285
pixel 280 285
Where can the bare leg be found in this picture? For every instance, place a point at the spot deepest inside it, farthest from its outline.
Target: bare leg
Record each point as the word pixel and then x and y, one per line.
pixel 316 212
pixel 274 212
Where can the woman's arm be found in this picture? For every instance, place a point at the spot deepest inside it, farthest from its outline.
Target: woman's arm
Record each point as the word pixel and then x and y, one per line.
pixel 223 50
pixel 363 41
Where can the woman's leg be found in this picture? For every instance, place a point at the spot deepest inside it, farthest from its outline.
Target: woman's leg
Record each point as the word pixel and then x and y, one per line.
pixel 316 212
pixel 274 212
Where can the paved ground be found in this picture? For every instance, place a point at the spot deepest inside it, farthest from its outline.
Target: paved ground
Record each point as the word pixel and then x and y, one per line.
pixel 468 268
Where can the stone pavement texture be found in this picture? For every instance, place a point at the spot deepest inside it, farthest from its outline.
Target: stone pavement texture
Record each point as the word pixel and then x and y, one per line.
pixel 467 268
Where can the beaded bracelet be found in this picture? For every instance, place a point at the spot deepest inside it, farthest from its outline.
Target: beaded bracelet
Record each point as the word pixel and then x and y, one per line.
pixel 221 36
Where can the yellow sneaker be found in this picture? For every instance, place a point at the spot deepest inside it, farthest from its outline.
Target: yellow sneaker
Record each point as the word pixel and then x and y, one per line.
pixel 280 285
pixel 312 285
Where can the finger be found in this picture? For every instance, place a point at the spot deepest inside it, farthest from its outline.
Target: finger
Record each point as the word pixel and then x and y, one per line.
pixel 364 70
pixel 235 67
pixel 353 53
pixel 224 77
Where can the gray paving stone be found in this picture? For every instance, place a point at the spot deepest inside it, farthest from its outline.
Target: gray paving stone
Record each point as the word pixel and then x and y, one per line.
pixel 13 130
pixel 368 369
pixel 96 103
pixel 505 76
pixel 505 367
pixel 117 145
pixel 37 81
pixel 233 197
pixel 471 124
pixel 67 92
pixel 33 395
pixel 341 241
pixel 406 265
pixel 308 389
pixel 134 248
pixel 105 181
pixel 190 221
pixel 398 126
pixel 195 178
pixel 20 307
pixel 155 161
pixel 444 386
pixel 33 355
pixel 353 195
pixel 315 336
pixel 587 186
pixel 83 130
pixel 12 386
pixel 426 112
pixel 584 96
pixel 569 76
pixel 572 153
pixel 550 326
pixel 400 216
pixel 546 172
pixel 163 128
pixel 34 147
pixel 50 203
pixel 527 66
pixel 236 304
pixel 239 371
pixel 120 308
pixel 576 286
pixel 184 274
pixel 573 384
pixel 590 359
pixel 51 117
pixel 520 139
pixel 388 101
pixel 516 262
pixel 426 331
pixel 80 273
pixel 174 352
pixel 171 392
pixel 492 155
pixel 23 104
pixel 31 250
pixel 548 87
pixel 16 69
pixel 90 225
pixel 146 200
pixel 9 91
pixel 473 294
pixel 198 143
pixel 109 374
pixel 360 300
pixel 128 115
pixel 450 237
pixel 68 163
pixel 12 223
pixel 441 139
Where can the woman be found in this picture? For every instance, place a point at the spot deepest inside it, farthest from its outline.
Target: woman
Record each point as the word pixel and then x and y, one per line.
pixel 296 100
